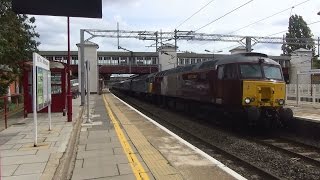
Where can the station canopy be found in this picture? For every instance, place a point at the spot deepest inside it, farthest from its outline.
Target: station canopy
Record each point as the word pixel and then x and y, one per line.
pixel 71 8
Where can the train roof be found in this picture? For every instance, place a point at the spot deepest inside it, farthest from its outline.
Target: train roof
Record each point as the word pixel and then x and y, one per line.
pixel 246 57
pixel 251 57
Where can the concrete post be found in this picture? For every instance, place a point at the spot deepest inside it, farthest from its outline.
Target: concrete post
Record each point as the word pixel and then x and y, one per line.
pixel 82 84
pixel 313 94
pixel 297 90
pixel 248 44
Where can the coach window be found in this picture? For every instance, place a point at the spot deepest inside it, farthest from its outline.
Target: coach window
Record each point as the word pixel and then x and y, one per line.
pixel 139 60
pixel 187 61
pixel 154 60
pixel 58 58
pixel 147 60
pixel 220 72
pixel 74 59
pixel 50 58
pixel 100 58
pixel 181 61
pixel 107 60
pixel 123 60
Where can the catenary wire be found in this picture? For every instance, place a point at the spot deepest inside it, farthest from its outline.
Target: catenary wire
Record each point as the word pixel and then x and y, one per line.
pixel 224 15
pixel 287 30
pixel 269 17
pixel 194 14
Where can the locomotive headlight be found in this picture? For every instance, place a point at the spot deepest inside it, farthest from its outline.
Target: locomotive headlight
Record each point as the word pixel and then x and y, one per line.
pixel 281 102
pixel 247 100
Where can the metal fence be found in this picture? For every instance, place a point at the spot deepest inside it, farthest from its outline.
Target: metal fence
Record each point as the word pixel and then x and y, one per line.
pixel 303 93
pixel 9 106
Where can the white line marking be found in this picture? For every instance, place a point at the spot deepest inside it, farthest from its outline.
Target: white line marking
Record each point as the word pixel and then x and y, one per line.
pixel 213 160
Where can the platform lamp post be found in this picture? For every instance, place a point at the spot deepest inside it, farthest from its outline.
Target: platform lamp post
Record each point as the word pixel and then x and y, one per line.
pixel 69 96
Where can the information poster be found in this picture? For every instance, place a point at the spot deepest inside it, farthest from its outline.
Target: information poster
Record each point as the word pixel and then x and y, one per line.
pixel 43 88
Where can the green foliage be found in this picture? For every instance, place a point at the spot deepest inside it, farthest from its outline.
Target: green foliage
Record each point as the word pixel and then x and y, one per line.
pixel 315 63
pixel 17 42
pixel 297 28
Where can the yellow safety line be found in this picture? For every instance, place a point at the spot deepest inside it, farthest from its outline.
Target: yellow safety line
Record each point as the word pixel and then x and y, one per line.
pixel 136 166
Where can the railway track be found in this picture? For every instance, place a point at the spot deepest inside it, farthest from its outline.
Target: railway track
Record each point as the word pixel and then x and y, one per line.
pixel 254 170
pixel 298 150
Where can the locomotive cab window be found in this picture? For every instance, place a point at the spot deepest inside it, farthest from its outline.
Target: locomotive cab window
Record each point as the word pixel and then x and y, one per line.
pixel 272 72
pixel 250 71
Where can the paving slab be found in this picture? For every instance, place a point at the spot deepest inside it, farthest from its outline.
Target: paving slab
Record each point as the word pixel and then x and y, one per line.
pixel 105 160
pixel 23 177
pixel 97 140
pixel 32 168
pixel 95 153
pixel 79 163
pixel 125 168
pixel 96 146
pixel 8 170
pixel 7 146
pixel 96 171
pixel 7 153
pixel 24 159
pixel 120 177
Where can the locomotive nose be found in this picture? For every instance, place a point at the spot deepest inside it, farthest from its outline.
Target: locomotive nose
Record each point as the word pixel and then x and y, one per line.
pixel 264 93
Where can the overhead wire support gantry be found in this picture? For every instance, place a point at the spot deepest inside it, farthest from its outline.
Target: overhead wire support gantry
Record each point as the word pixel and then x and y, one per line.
pixel 194 36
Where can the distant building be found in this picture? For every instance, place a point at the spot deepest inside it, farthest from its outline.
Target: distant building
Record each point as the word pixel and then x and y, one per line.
pixel 239 49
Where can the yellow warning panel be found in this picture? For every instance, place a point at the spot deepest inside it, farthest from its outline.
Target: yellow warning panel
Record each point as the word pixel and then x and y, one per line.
pixel 136 166
pixel 158 165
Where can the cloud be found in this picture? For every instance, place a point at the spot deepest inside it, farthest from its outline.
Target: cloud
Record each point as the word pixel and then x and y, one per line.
pixel 165 15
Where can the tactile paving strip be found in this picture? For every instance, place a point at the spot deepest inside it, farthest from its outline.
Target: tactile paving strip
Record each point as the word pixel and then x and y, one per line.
pixel 158 165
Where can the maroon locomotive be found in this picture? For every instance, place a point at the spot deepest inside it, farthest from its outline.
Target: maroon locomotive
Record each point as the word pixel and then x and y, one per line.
pixel 249 85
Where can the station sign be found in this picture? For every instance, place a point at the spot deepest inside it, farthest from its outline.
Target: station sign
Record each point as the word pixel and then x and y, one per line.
pixel 71 8
pixel 41 90
pixel 43 83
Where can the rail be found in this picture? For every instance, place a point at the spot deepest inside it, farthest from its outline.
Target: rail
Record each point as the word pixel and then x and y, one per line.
pixel 9 105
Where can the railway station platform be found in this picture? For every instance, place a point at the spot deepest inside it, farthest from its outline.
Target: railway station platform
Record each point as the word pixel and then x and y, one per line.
pixel 305 111
pixel 121 143
pixel 20 160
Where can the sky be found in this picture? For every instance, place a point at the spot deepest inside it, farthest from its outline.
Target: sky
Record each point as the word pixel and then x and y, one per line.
pixel 166 15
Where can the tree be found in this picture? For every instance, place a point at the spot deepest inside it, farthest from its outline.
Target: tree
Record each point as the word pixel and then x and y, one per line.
pixel 17 42
pixel 298 28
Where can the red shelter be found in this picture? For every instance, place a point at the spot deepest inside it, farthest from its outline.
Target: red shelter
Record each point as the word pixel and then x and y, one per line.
pixel 58 87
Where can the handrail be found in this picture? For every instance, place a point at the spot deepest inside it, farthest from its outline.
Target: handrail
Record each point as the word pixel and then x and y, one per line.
pixel 5 109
